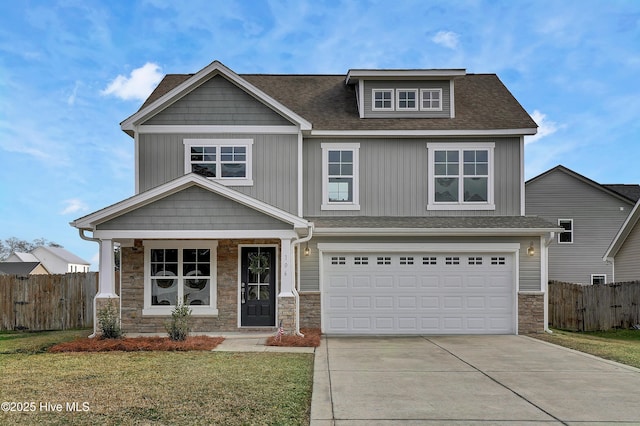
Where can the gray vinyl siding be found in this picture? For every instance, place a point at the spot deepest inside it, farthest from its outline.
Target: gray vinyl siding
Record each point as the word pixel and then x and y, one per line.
pixel 529 266
pixel 627 260
pixel 274 164
pixel 394 173
pixel 217 102
pixel 434 84
pixel 194 208
pixel 596 215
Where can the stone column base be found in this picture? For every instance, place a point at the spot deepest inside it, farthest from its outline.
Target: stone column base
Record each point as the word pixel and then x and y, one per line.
pixel 530 312
pixel 287 314
pixel 101 303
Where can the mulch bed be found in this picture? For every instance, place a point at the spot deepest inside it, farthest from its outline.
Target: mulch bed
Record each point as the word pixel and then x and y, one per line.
pixel 311 339
pixel 133 344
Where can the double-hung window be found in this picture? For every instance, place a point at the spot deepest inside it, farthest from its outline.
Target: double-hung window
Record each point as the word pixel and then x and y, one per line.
pixel 340 176
pixel 180 272
pixel 227 161
pixel 460 176
pixel 566 236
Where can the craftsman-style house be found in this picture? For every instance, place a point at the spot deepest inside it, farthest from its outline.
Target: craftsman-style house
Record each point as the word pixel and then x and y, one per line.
pixel 376 202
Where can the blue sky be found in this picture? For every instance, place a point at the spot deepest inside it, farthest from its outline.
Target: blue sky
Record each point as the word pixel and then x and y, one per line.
pixel 72 70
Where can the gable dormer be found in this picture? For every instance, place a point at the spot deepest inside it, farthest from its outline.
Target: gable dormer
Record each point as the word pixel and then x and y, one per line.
pixel 405 93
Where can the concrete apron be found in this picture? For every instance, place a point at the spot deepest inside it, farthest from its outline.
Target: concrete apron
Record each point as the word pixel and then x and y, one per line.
pixel 468 380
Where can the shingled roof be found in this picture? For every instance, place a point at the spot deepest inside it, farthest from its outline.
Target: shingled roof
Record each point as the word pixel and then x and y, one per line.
pixel 482 103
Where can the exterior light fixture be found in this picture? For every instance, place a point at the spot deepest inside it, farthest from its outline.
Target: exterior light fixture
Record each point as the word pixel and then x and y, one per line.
pixel 307 252
pixel 531 250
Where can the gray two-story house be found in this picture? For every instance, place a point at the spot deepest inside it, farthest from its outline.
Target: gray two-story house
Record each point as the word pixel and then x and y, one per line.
pixel 376 202
pixel 589 213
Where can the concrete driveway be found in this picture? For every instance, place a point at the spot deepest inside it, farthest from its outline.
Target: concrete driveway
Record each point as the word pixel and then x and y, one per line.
pixel 468 380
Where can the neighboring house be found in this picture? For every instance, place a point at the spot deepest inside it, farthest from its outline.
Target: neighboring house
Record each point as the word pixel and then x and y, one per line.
pixel 22 257
pixel 376 202
pixel 22 268
pixel 590 214
pixel 55 260
pixel 624 251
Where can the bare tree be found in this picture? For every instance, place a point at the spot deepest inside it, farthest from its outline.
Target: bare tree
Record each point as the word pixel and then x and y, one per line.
pixel 13 244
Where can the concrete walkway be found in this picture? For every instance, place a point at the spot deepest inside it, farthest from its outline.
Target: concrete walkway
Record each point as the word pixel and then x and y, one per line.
pixel 462 380
pixel 253 342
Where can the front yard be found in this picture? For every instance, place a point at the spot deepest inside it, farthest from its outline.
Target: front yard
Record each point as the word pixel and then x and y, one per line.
pixel 198 387
pixel 618 345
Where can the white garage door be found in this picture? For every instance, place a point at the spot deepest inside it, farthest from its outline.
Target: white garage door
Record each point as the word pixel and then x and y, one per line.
pixel 418 293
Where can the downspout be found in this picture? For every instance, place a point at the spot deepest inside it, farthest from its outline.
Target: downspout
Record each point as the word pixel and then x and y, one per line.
pixel 95 240
pixel 295 244
pixel 547 243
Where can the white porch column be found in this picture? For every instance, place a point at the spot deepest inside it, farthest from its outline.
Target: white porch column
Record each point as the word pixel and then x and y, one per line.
pixel 106 282
pixel 286 269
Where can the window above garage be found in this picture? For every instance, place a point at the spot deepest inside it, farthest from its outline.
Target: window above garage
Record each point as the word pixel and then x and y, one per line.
pixel 461 176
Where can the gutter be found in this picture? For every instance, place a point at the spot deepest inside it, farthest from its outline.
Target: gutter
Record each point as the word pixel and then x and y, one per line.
pixel 296 295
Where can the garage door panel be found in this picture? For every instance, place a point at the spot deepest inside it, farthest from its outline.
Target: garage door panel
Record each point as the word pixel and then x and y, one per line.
pixel 418 293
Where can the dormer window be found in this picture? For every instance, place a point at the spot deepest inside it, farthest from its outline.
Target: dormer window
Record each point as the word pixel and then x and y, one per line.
pixel 431 99
pixel 407 100
pixel 227 161
pixel 383 99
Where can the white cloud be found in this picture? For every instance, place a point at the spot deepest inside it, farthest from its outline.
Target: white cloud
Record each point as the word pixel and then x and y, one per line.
pixel 138 85
pixel 71 100
pixel 447 39
pixel 74 205
pixel 545 127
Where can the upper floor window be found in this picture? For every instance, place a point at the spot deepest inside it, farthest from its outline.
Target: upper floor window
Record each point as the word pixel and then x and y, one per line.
pixel 460 176
pixel 340 176
pixel 382 99
pixel 431 99
pixel 407 99
pixel 598 279
pixel 566 236
pixel 225 160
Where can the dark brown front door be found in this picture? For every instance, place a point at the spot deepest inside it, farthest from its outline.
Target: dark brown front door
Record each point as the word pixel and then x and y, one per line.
pixel 258 286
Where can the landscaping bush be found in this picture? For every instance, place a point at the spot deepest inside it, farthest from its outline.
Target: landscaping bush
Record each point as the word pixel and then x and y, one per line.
pixel 109 322
pixel 179 326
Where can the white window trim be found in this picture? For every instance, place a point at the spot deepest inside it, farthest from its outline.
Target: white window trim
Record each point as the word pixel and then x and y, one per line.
pixel 417 99
pixel 149 310
pixel 599 275
pixel 332 205
pixel 422 91
pixel 460 205
pixel 219 143
pixel 563 232
pixel 373 99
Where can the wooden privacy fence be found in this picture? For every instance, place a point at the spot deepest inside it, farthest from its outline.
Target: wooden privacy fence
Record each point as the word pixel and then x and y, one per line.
pixel 47 302
pixel 598 307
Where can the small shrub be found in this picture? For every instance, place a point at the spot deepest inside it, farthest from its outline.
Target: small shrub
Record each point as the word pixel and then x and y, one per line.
pixel 179 326
pixel 109 322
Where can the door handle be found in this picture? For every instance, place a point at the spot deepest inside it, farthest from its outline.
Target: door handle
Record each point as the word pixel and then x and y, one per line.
pixel 242 289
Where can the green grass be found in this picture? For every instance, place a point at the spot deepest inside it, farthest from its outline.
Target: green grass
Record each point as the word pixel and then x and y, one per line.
pixel 35 342
pixel 617 345
pixel 181 388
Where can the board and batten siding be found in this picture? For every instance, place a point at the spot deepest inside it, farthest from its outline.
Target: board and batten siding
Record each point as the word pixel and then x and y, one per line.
pixel 596 215
pixel 218 102
pixel 161 158
pixel 626 260
pixel 369 85
pixel 529 266
pixel 194 208
pixel 393 177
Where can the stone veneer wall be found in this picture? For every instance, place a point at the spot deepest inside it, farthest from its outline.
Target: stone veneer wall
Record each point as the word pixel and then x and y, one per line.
pixel 132 270
pixel 530 313
pixel 310 310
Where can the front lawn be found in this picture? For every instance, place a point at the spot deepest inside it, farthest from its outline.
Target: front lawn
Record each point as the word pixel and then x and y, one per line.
pixel 617 345
pixel 34 342
pixel 196 387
